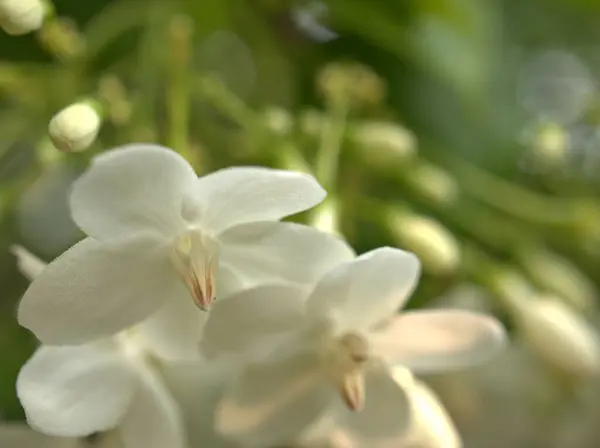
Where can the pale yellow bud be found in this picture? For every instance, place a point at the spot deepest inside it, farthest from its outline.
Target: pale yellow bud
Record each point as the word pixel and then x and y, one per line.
pixel 433 183
pixel 559 276
pixel 559 336
pixel 431 426
pixel 383 144
pixel 75 127
pixel 326 216
pixel 435 245
pixel 551 145
pixel 19 17
pixel 278 120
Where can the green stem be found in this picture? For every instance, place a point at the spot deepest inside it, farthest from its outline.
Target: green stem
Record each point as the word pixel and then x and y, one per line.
pixel 331 143
pixel 178 88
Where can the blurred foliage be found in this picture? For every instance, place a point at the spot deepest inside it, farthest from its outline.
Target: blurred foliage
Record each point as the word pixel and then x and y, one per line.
pixel 426 121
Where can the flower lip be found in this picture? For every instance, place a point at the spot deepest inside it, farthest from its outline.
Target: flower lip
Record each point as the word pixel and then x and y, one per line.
pixel 196 259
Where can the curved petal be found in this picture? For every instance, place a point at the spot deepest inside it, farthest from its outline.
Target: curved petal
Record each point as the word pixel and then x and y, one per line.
pixel 92 291
pixel 75 391
pixel 247 319
pixel 266 252
pixel 239 195
pixel 367 290
pixel 272 402
pixel 130 189
pixel 174 332
pixel 436 340
pixel 387 413
pixel 153 419
pixel 19 435
pixel 198 387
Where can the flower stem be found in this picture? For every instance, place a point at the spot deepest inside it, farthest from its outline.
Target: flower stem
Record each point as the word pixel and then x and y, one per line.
pixel 331 143
pixel 178 88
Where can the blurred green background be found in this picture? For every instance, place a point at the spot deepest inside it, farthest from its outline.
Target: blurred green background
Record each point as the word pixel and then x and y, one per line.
pixel 467 131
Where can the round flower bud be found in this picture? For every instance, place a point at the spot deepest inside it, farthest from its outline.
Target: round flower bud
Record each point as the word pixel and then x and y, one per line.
pixel 18 17
pixel 75 127
pixel 278 120
pixel 383 145
pixel 559 336
pixel 433 183
pixel 435 245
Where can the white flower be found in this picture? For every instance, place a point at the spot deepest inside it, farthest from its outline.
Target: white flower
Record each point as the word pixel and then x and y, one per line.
pixel 76 391
pixel 154 229
pixel 75 127
pixel 19 17
pixel 336 364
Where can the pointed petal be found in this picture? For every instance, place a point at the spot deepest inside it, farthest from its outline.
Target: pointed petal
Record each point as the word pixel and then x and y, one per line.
pixel 75 391
pixel 386 415
pixel 248 319
pixel 174 332
pixel 19 435
pixel 153 420
pixel 275 251
pixel 29 265
pixel 436 340
pixel 367 290
pixel 130 189
pixel 274 401
pixel 241 195
pixel 92 291
pixel 198 387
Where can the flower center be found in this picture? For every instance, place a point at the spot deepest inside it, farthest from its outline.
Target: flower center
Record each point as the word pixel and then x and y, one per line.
pixel 196 258
pixel 346 361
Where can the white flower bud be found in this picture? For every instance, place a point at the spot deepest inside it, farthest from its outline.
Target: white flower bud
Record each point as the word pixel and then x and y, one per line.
pixel 431 425
pixel 19 17
pixel 75 127
pixel 435 245
pixel 433 183
pixel 383 144
pixel 559 336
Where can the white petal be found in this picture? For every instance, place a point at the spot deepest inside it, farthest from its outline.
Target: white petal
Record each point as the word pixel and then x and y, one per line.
pixel 248 319
pixel 272 402
pixel 19 435
pixel 153 420
pixel 197 388
pixel 29 265
pixel 362 292
pixel 275 251
pixel 75 391
pixel 241 195
pixel 174 332
pixel 386 415
pixel 92 291
pixel 132 188
pixel 428 341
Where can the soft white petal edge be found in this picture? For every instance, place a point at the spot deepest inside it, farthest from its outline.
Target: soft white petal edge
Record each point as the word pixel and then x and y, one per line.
pixel 363 292
pixel 75 391
pixel 153 419
pixel 268 252
pixel 132 188
pixel 239 195
pixel 92 291
pixel 438 340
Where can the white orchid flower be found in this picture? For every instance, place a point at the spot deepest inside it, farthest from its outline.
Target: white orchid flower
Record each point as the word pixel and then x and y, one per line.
pixel 338 364
pixel 154 230
pixel 110 385
pixel 76 391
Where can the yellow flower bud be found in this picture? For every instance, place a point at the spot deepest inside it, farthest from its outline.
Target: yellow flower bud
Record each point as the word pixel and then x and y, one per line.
pixel 75 127
pixel 19 17
pixel 383 144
